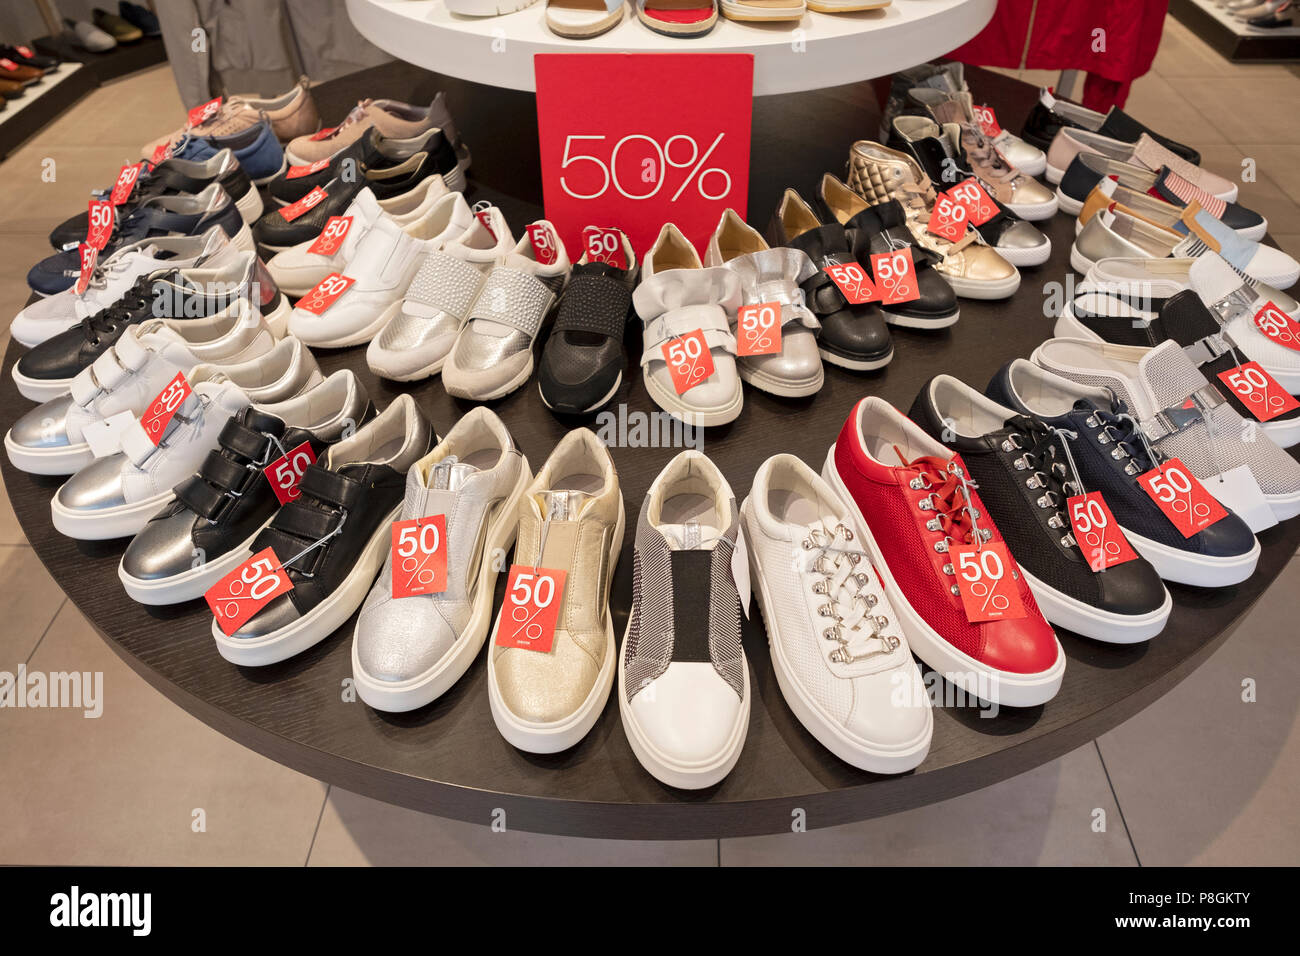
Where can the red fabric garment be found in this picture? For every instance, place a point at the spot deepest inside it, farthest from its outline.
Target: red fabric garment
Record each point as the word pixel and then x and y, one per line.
pixel 1063 39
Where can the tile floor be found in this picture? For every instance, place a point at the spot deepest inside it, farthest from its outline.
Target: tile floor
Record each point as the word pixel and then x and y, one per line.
pixel 147 783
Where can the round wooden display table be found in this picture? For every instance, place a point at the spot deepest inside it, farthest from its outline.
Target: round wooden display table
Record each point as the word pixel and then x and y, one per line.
pixel 448 758
pixel 820 50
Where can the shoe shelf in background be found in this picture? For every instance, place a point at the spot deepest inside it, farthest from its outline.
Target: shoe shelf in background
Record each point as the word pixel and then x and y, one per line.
pixel 1233 38
pixel 41 102
pixel 828 49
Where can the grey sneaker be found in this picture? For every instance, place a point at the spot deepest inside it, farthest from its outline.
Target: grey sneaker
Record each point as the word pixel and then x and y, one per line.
pixel 408 651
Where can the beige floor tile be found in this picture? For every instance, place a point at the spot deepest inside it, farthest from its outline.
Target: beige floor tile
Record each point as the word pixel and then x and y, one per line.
pixel 29 599
pixel 149 98
pixel 1248 109
pixel 76 171
pixel 122 788
pixel 1231 769
pixel 1043 817
pixel 10 531
pixel 359 831
pixel 1158 103
pixel 18 253
pixel 1281 164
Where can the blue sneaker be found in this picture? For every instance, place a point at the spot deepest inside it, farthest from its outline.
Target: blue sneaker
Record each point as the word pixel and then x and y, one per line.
pixel 139 16
pixel 180 215
pixel 1110 453
pixel 256 148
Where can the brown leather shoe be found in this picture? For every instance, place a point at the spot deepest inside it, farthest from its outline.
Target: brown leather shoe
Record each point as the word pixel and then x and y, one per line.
pixel 9 70
pixel 10 89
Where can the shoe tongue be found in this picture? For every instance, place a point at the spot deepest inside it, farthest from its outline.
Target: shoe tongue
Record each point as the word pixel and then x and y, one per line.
pixel 1212 277
pixel 449 474
pixel 562 505
pixel 1168 375
pixel 949 111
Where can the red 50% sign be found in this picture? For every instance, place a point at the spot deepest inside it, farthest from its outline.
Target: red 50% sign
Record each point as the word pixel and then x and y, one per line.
pixel 247 589
pixel 419 556
pixel 285 473
pixel 531 608
pixel 988 592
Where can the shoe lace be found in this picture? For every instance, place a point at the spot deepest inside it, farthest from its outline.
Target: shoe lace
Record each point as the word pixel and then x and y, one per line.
pixel 987 157
pixel 1054 474
pixel 1130 444
pixel 950 500
pixel 107 269
pixel 107 320
pixel 850 600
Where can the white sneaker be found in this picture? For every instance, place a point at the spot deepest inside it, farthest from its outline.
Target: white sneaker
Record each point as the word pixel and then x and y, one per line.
pixel 1146 281
pixel 683 684
pixel 297 270
pixel 415 341
pixel 1236 302
pixel 847 673
pixel 493 352
pixel 47 317
pixel 677 296
pixel 1185 417
pixel 114 497
pixel 51 438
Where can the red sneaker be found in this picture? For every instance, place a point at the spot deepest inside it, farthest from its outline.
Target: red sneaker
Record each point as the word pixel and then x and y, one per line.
pixel 909 497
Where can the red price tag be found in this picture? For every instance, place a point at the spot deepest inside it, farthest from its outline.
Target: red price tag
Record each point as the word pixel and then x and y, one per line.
pixel 544 242
pixel 327 290
pixel 689 360
pixel 604 245
pixel 322 133
pixel 126 180
pixel 895 276
pixel 1181 497
pixel 163 407
pixel 332 236
pixel 297 172
pixel 247 589
pixel 160 152
pixel 759 329
pixel 204 112
pixel 988 121
pixel 970 195
pixel 1259 391
pixel 949 218
pixel 25 51
pixel 853 282
pixel 100 224
pixel 1278 326
pixel 419 558
pixel 531 608
pixel 88 255
pixel 484 216
pixel 285 473
pixel 306 203
pixel 988 591
pixel 1099 538
pixel 8 64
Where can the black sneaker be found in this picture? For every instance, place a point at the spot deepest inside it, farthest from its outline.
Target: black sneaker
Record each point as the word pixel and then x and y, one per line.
pixel 176 215
pixel 170 178
pixel 376 152
pixel 852 336
pixel 883 228
pixel 277 233
pixel 583 360
pixel 939 151
pixel 217 512
pixel 1184 318
pixel 1111 452
pixel 1051 114
pixel 333 538
pixel 1025 477
pixel 26 56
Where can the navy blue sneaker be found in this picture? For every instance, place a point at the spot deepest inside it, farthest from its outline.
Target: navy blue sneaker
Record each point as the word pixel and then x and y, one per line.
pixel 157 216
pixel 139 16
pixel 1110 452
pixel 256 148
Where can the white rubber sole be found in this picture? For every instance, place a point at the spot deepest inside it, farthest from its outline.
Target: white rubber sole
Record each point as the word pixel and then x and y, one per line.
pixel 105 524
pixel 487 8
pixel 970 289
pixel 961 670
pixel 863 754
pixel 1034 211
pixel 1068 205
pixel 1183 567
pixel 912 322
pixel 1284 433
pixel 1289 379
pixel 1284 506
pixel 322 620
pixel 461 390
pixel 250 206
pixel 454 180
pixel 1027 257
pixel 672 403
pixel 188 585
pixel 559 735
pixel 243 240
pixel 1254 233
pixel 66 460
pixel 1278 280
pixel 31 334
pixel 775 386
pixel 856 365
pixel 39 390
pixel 359 336
pixel 1079 262
pixel 1036 167
pixel 675 773
pixel 1054 175
pixel 396 697
pixel 751 14
pixel 1061 610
